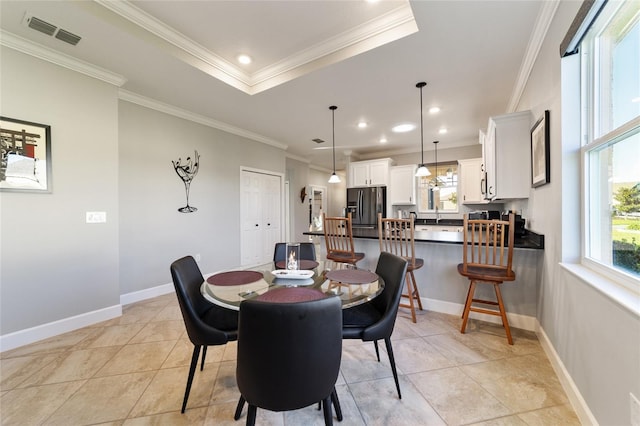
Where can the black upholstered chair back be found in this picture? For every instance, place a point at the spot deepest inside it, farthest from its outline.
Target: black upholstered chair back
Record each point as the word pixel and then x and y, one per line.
pixel 288 353
pixel 187 280
pixel 307 252
pixel 393 270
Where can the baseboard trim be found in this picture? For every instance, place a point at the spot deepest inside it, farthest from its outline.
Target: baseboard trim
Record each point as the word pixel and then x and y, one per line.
pixel 44 331
pixel 575 397
pixel 523 322
pixel 147 293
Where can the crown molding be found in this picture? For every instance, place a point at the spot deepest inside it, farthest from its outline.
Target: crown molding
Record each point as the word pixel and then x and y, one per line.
pixel 297 158
pixel 134 98
pixel 149 23
pixel 39 51
pixel 543 22
pixel 324 169
pixel 391 26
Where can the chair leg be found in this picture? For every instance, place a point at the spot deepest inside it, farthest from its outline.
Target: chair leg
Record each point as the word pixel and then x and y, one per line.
pixel 192 370
pixel 415 288
pixel 409 294
pixel 392 361
pixel 375 343
pixel 239 408
pixel 251 415
pixel 328 416
pixel 503 313
pixel 204 355
pixel 467 305
pixel 336 404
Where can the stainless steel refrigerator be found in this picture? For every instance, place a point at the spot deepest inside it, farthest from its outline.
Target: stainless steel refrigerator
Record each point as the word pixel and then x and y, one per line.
pixel 365 204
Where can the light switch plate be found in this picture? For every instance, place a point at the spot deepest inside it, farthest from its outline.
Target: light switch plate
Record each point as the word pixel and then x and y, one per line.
pixel 96 217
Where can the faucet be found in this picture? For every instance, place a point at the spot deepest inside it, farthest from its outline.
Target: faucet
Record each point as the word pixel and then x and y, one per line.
pixel 437 216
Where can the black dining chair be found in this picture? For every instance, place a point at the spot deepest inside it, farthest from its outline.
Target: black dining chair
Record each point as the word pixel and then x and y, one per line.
pixel 289 356
pixel 307 252
pixel 374 320
pixel 207 324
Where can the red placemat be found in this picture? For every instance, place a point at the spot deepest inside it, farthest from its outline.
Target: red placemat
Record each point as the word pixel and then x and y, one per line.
pixel 306 265
pixel 291 295
pixel 235 278
pixel 352 276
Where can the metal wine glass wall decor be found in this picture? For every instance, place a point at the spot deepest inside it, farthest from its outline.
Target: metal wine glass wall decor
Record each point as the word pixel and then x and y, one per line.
pixel 187 172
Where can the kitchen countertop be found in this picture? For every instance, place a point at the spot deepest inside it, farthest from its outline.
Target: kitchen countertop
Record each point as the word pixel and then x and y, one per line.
pixel 530 240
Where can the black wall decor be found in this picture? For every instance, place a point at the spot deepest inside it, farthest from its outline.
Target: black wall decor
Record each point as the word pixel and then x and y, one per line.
pixel 187 172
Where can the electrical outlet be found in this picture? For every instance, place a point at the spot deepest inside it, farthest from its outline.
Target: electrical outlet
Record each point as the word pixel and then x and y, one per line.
pixel 96 217
pixel 198 258
pixel 635 410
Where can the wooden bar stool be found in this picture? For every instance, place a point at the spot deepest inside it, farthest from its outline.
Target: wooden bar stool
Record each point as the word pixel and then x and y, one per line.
pixel 396 237
pixel 338 238
pixel 487 258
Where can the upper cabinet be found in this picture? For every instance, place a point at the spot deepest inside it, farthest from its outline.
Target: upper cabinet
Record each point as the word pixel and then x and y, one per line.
pixel 369 173
pixel 507 156
pixel 402 185
pixel 471 177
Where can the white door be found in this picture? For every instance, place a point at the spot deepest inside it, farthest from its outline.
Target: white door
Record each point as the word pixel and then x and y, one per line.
pixel 271 216
pixel 261 216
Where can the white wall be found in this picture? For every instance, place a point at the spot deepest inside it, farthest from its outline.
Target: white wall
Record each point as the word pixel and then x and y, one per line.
pixel 54 265
pixel 596 340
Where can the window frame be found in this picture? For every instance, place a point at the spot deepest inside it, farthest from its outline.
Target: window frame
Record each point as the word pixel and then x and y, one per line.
pixel 419 188
pixel 593 118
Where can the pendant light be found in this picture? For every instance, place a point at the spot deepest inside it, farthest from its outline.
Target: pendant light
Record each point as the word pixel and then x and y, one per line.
pixel 436 188
pixel 422 169
pixel 334 177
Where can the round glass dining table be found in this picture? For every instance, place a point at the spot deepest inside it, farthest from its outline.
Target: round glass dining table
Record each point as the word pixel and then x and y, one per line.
pixel 354 286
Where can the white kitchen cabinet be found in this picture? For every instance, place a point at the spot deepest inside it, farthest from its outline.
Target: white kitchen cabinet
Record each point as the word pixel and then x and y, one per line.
pixel 507 156
pixel 369 173
pixel 402 185
pixel 471 176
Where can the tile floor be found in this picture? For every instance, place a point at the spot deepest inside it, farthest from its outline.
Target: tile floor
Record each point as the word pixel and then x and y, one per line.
pixel 132 370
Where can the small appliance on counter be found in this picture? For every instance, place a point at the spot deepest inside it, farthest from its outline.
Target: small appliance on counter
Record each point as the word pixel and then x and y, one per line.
pixel 478 215
pixel 518 231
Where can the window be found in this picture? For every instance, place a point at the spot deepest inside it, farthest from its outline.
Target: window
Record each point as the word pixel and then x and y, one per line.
pixel 445 197
pixel 610 56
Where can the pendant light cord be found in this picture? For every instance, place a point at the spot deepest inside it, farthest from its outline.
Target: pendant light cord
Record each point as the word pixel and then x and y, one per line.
pixel 421 129
pixel 436 177
pixel 420 86
pixel 333 109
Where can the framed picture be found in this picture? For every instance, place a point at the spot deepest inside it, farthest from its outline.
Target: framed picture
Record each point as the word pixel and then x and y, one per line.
pixel 25 162
pixel 540 158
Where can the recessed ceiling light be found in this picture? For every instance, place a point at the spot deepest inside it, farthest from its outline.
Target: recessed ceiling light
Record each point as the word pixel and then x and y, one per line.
pixel 403 128
pixel 362 124
pixel 383 140
pixel 244 59
pixel 433 110
pixel 442 131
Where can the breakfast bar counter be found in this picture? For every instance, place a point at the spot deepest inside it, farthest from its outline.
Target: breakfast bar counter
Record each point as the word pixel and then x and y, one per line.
pixel 442 289
pixel 530 240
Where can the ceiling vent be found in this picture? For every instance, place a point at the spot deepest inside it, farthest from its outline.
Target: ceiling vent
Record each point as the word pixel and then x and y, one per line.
pixel 67 37
pixel 40 25
pixel 317 140
pixel 51 30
